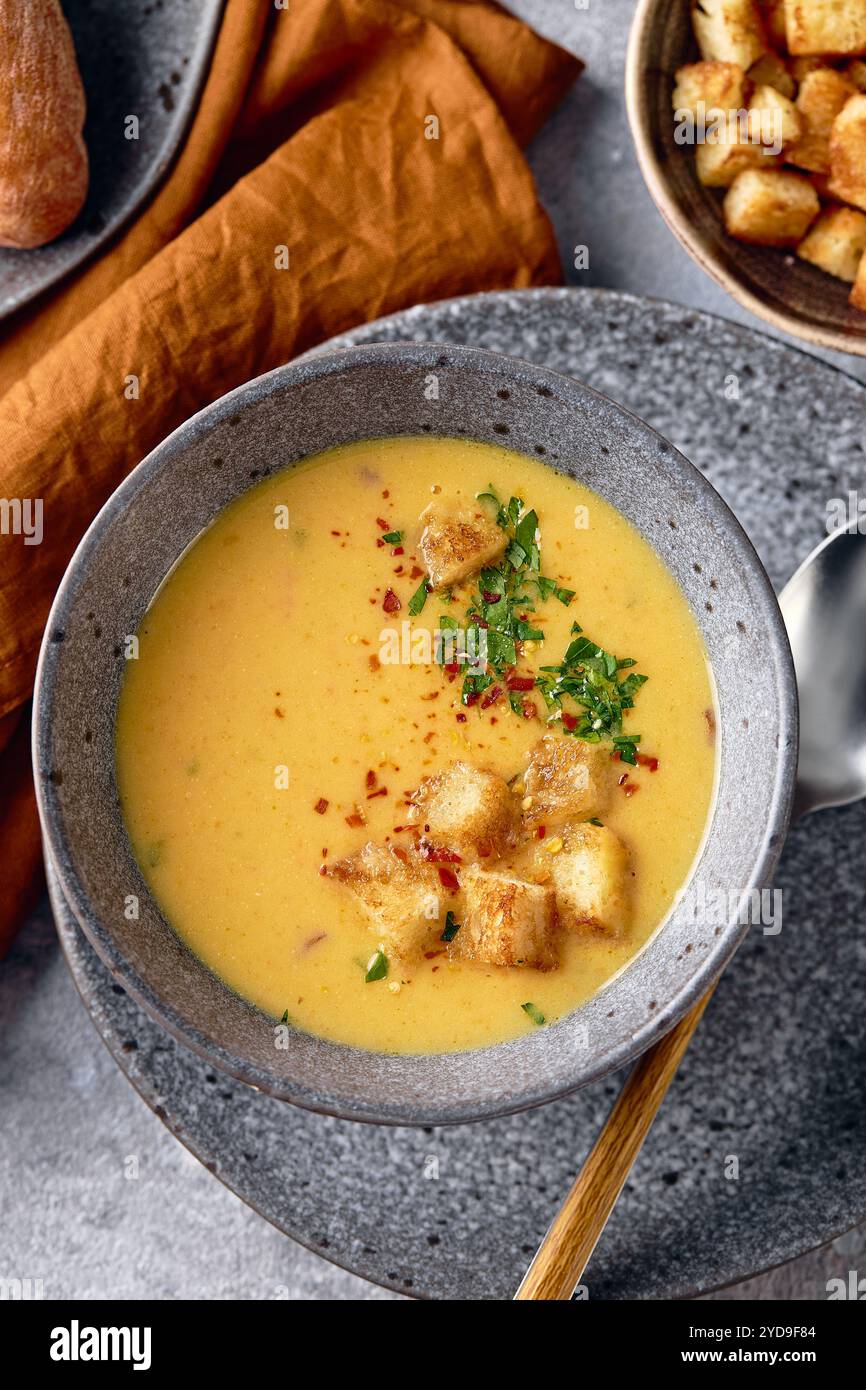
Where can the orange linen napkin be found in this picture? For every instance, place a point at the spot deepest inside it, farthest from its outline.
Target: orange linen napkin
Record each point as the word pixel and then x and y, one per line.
pixel 372 147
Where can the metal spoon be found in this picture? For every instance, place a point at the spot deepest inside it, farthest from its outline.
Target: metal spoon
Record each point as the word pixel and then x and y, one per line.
pixel 824 607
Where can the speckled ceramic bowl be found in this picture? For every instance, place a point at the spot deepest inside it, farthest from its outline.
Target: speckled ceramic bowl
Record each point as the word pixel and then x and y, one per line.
pixel 784 291
pixel 275 421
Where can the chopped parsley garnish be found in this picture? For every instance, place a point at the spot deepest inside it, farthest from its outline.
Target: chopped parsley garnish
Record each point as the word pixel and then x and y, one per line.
pixel 587 693
pixel 285 1017
pixel 594 820
pixel 393 537
pixel 418 599
pixel 377 968
pixel 534 1013
pixel 451 927
pixel 589 677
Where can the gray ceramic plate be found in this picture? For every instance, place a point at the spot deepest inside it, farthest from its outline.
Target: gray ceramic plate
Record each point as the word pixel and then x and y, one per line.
pixel 776 1074
pixel 369 392
pixel 143 59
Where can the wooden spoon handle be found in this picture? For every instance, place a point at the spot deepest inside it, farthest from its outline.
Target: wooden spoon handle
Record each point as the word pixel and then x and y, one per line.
pixel 566 1249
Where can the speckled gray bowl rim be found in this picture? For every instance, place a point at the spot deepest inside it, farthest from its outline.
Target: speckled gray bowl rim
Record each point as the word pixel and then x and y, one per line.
pixel 764 857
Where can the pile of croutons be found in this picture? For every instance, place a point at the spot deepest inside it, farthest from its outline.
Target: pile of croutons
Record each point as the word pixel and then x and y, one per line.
pixel 495 872
pixel 790 78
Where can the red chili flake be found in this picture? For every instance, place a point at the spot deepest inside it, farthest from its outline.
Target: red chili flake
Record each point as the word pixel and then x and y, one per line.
pixel 279 713
pixel 520 682
pixel 623 779
pixel 448 879
pixel 489 596
pixel 386 493
pixel 398 550
pixel 400 853
pixel 431 955
pixel 355 821
pixel 541 832
pixel 321 806
pixel 398 829
pixel 569 720
pixel 336 533
pixel 461 718
pixel 529 710
pixel 630 788
pixel 390 602
pixel 375 663
pixel 437 854
pixel 452 667
pixel 380 544
pixel 491 697
pixel 323 869
pixel 382 525
pixel 415 572
pixel 472 698
pixel 646 761
pixel 371 778
pixel 325 852
pixel 383 791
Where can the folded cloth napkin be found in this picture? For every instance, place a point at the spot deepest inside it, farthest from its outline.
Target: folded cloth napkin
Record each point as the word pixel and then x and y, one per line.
pixel 348 158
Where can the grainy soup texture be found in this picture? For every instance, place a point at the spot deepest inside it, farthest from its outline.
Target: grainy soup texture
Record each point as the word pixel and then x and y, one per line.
pixel 263 733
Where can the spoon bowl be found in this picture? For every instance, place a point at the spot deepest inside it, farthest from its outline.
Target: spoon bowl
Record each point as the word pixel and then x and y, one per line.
pixel 824 607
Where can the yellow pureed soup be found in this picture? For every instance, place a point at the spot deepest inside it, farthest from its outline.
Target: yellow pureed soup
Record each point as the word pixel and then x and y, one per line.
pixel 287 705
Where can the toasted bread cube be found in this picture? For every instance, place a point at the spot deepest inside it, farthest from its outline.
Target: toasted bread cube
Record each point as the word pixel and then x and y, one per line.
pixel 466 809
pixel 826 26
pixel 567 779
pixel 458 541
pixel 399 898
pixel 506 921
pixel 821 185
pixel 821 97
pixel 857 297
pixel 720 86
pixel 848 153
pixel 770 71
pixel 770 209
pixel 799 68
pixel 729 31
pixel 772 14
pixel 836 242
pixel 590 876
pixel 719 160
pixel 856 73
pixel 773 119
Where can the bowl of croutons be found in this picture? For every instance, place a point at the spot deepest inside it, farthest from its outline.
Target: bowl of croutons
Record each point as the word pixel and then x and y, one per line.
pixel 749 120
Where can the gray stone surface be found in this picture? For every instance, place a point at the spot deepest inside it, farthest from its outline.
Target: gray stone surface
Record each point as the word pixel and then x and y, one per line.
pixel 70 1120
